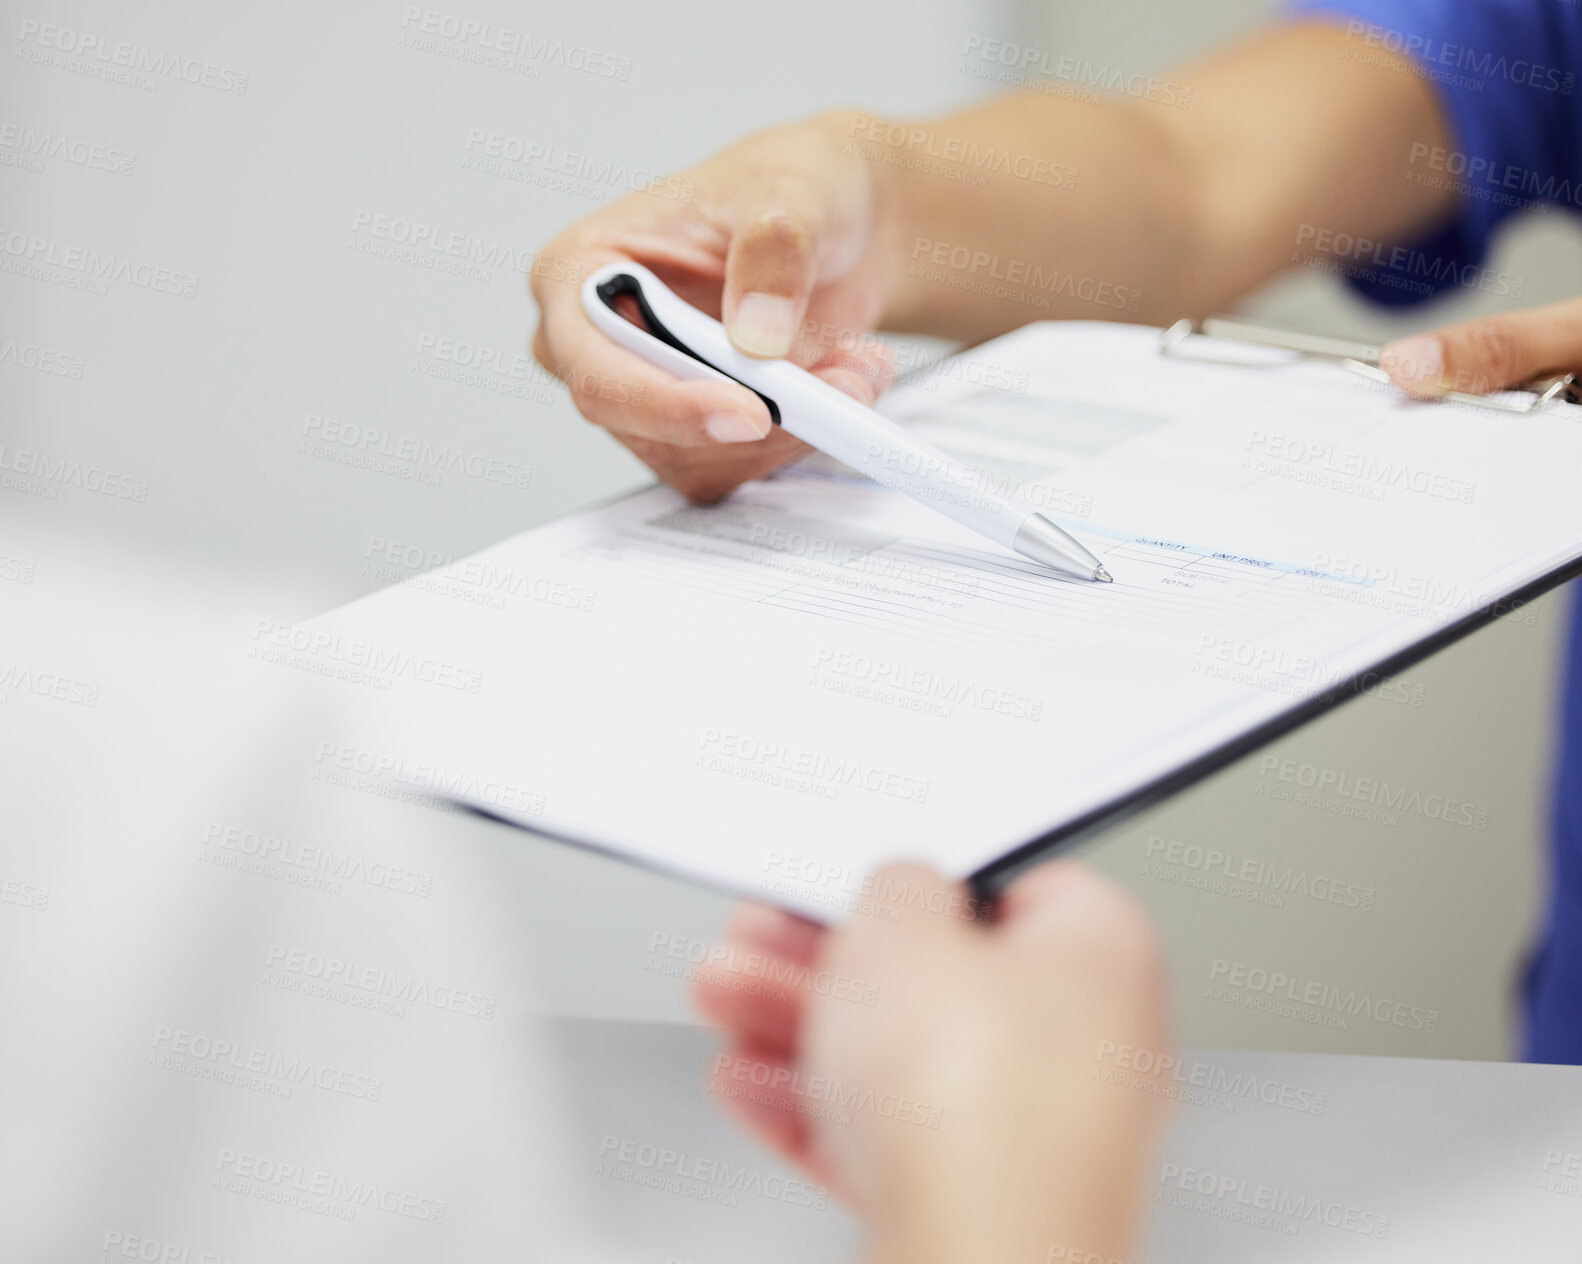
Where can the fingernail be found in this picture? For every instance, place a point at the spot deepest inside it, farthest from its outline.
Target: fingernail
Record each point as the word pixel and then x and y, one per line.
pixel 734 427
pixel 1416 362
pixel 764 325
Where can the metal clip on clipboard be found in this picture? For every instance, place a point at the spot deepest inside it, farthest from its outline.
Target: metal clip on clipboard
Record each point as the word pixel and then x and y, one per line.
pixel 1363 359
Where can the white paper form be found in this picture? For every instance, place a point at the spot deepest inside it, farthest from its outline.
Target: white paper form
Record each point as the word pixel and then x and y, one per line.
pixel 779 693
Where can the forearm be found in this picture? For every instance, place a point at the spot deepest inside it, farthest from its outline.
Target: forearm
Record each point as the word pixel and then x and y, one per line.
pixel 1034 208
pixel 1038 207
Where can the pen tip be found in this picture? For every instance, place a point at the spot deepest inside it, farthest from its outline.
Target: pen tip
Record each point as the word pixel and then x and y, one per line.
pixel 1103 576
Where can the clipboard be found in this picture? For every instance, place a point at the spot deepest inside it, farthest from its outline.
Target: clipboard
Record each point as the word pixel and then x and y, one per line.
pixel 1362 359
pixel 736 749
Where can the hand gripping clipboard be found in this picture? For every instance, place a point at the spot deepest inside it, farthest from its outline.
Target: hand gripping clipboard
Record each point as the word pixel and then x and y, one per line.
pixel 1362 359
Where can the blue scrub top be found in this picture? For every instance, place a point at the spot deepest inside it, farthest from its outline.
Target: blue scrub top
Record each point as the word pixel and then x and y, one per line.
pixel 1506 73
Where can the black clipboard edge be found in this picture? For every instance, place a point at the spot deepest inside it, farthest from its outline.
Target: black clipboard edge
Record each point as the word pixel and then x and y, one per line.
pixel 988 881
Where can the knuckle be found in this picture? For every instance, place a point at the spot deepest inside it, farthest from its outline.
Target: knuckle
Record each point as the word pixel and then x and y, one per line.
pixel 585 401
pixel 1495 356
pixel 861 386
pixel 536 282
pixel 1136 937
pixel 1133 945
pixel 902 875
pixel 594 389
pixel 558 268
pixel 541 350
pixel 782 232
pixel 1113 927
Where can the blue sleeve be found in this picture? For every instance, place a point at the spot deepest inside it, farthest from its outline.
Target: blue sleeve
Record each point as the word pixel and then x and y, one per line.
pixel 1503 70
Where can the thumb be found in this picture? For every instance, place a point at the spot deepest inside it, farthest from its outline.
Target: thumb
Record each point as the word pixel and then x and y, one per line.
pixel 1068 903
pixel 770 269
pixel 1479 356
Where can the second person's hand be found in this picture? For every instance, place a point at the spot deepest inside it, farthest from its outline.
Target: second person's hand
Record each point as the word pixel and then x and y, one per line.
pixel 955 1080
pixel 782 238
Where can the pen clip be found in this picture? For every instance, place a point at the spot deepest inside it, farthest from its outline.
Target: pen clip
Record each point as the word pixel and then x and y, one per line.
pixel 655 340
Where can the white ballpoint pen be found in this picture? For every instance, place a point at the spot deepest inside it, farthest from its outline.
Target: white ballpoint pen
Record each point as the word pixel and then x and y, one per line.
pixel 691 344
